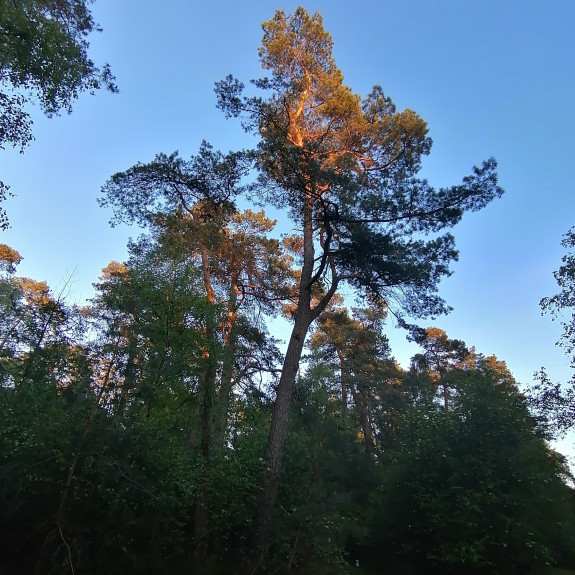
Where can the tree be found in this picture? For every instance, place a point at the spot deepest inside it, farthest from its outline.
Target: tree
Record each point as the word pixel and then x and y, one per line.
pixel 361 354
pixel 346 169
pixel 440 357
pixel 35 324
pixel 555 403
pixel 189 205
pixel 472 489
pixel 44 58
pixel 195 198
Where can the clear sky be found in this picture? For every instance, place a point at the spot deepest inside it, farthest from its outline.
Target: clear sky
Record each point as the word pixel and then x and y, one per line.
pixel 491 78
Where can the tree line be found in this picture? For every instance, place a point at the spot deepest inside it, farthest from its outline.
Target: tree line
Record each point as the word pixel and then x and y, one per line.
pixel 160 428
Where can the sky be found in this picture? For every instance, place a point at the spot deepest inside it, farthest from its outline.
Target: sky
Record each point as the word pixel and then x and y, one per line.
pixel 491 78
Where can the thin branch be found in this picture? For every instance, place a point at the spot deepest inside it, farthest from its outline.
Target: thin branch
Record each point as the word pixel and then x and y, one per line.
pixel 67 547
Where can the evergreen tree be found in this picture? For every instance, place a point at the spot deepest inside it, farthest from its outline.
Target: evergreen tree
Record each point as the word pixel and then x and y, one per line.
pixel 345 168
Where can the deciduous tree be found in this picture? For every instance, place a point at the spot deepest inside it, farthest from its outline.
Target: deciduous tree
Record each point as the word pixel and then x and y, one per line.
pixel 473 489
pixel 555 402
pixel 43 58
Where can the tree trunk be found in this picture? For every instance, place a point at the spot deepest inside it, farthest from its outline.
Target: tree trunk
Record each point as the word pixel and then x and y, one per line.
pixel 228 359
pixel 81 446
pixel 207 391
pixel 445 396
pixel 279 424
pixel 343 377
pixel 201 519
pixel 361 404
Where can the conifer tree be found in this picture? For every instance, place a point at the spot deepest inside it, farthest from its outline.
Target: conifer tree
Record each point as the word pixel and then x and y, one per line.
pixel 345 167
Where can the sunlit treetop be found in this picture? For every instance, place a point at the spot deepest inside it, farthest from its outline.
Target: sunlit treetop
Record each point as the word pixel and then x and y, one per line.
pixel 35 292
pixel 9 258
pixel 114 269
pixel 348 165
pixel 337 126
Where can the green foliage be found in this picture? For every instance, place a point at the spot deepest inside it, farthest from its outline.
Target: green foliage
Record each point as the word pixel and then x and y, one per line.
pixel 87 464
pixel 473 488
pixel 324 486
pixel 43 58
pixel 555 403
pixel 345 168
pixel 100 469
pixel 565 299
pixel 44 50
pixel 350 165
pixel 209 180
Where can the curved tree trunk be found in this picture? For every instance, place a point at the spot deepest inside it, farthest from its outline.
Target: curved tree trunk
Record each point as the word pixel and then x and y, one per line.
pixel 278 428
pixel 280 417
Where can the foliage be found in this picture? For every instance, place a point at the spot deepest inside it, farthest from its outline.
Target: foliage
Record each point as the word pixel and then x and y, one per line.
pixel 101 471
pixel 565 299
pixel 473 489
pixel 555 403
pixel 345 168
pixel 358 353
pixel 44 50
pixel 43 58
pixel 351 165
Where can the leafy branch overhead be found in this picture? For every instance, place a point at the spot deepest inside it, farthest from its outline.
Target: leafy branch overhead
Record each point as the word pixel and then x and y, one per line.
pixel 554 402
pixel 44 59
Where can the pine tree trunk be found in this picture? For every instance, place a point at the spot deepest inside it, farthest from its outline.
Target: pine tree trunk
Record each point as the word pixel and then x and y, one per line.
pixel 343 377
pixel 361 404
pixel 228 359
pixel 279 424
pixel 207 391
pixel 201 519
pixel 278 428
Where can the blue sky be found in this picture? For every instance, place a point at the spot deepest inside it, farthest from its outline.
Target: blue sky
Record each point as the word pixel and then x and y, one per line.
pixel 491 78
